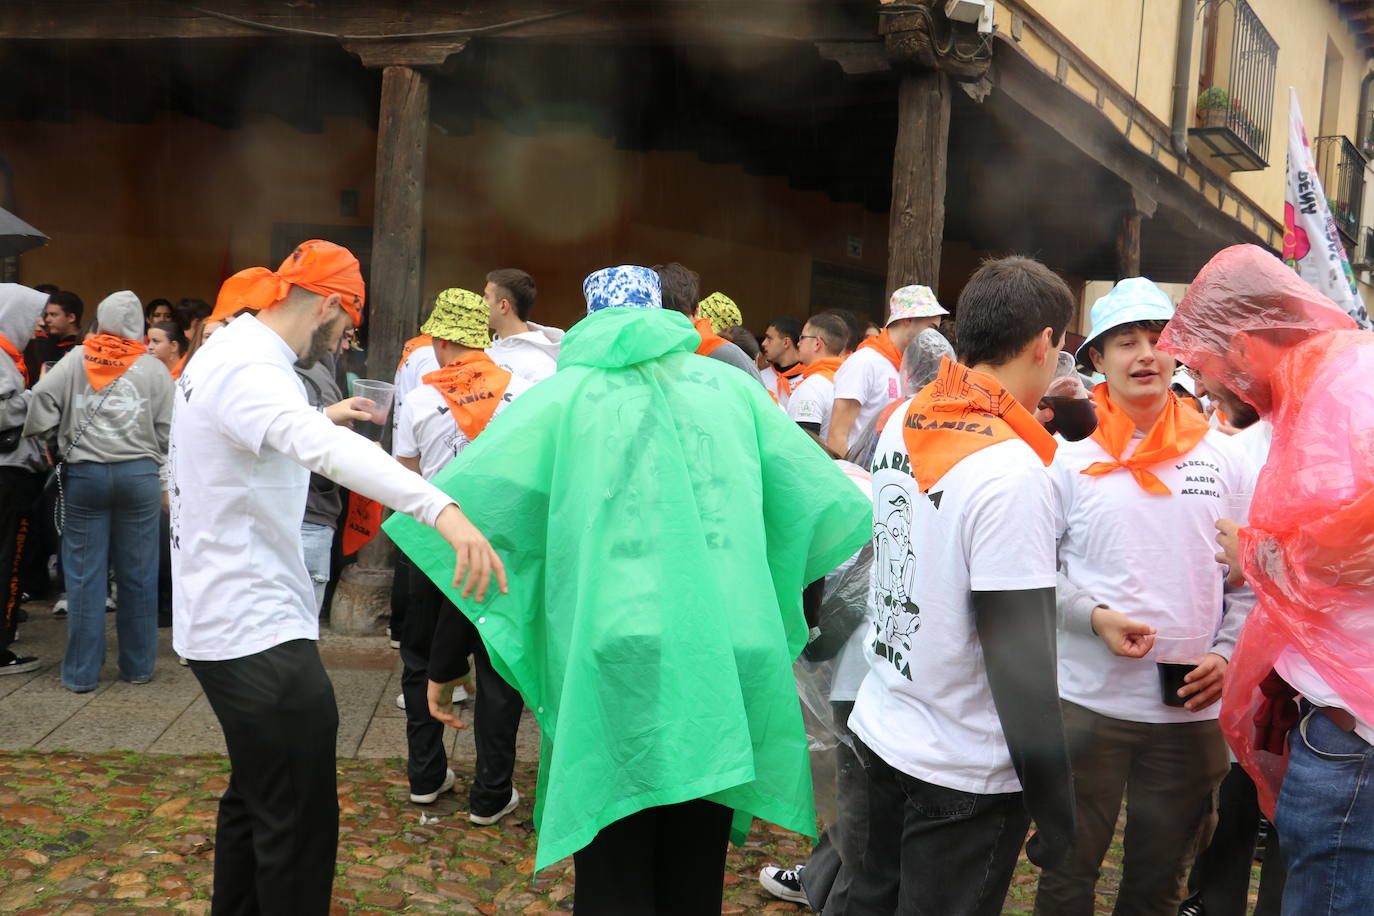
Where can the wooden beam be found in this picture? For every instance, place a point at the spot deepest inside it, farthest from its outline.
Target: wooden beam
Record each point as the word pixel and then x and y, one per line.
pixel 916 223
pixel 1128 245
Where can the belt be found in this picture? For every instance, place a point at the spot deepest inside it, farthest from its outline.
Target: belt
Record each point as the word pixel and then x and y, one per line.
pixel 1343 719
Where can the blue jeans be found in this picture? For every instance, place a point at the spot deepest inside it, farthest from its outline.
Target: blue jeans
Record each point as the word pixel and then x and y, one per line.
pixel 317 543
pixel 1325 817
pixel 111 515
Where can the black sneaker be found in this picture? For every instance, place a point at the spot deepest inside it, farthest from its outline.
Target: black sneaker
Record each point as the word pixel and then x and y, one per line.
pixel 784 883
pixel 1192 906
pixel 17 664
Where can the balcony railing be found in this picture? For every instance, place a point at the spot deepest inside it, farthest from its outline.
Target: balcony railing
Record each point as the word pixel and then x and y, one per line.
pixel 1342 169
pixel 1235 110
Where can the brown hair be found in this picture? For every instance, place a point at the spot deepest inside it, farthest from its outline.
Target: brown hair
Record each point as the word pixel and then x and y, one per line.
pixel 1006 303
pixel 681 287
pixel 518 287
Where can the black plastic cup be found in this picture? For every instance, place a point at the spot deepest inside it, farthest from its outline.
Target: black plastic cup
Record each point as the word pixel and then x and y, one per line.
pixel 1171 681
pixel 1074 418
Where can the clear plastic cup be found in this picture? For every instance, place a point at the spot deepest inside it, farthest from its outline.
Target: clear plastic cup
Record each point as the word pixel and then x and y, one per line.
pixel 1176 653
pixel 381 394
pixel 1236 507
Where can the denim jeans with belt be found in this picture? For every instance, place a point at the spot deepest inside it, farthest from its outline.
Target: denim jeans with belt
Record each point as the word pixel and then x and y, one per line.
pixel 1325 816
pixel 111 515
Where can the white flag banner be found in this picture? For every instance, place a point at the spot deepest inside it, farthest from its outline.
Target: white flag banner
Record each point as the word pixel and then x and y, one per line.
pixel 1311 242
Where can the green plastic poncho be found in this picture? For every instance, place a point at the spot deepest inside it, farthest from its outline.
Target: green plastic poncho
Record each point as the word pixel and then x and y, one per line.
pixel 658 517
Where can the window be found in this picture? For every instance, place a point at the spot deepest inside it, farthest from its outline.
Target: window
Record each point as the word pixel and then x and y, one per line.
pixel 1235 102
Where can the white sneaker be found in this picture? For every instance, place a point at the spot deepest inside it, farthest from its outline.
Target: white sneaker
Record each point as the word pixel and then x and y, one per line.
pixel 182 662
pixel 431 797
pixel 400 701
pixel 59 607
pixel 784 883
pixel 510 806
pixel 460 694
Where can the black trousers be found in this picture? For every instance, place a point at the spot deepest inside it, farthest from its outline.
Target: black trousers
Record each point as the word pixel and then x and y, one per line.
pixel 665 861
pixel 1221 873
pixel 435 646
pixel 18 490
pixel 278 829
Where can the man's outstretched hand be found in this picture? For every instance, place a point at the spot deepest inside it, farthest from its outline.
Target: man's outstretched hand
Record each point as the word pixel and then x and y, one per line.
pixel 474 559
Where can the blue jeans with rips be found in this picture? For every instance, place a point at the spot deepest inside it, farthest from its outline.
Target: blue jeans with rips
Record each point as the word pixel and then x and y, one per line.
pixel 111 515
pixel 1325 817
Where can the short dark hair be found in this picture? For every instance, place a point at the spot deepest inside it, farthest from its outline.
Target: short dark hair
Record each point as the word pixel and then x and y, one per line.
pixel 787 326
pixel 154 303
pixel 851 321
pixel 188 311
pixel 681 287
pixel 174 333
pixel 832 330
pixel 742 338
pixel 69 302
pixel 48 288
pixel 518 286
pixel 1005 304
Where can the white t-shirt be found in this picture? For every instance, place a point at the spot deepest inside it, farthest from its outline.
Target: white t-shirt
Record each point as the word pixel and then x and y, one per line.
pixel 1148 556
pixel 987 525
pixel 811 402
pixel 416 366
pixel 869 378
pixel 244 440
pixel 532 354
pixel 427 430
pixel 779 387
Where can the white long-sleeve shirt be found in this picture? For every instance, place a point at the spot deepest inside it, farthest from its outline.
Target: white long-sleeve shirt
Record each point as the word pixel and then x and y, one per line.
pixel 244 441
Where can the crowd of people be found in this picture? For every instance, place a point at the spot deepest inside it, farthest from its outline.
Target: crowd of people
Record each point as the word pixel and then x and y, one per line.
pixel 1019 585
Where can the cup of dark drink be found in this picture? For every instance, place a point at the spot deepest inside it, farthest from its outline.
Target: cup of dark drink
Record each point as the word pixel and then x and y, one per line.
pixel 1074 418
pixel 1176 654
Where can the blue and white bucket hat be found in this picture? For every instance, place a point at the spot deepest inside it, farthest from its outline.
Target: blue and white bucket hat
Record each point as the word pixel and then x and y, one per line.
pixel 1133 299
pixel 626 286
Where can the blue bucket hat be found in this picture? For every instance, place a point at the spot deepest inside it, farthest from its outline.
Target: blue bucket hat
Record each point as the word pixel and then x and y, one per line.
pixel 1133 299
pixel 627 286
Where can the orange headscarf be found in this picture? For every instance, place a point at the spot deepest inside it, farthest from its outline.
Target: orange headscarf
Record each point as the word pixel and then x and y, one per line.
pixel 825 367
pixel 410 346
pixel 1175 431
pixel 10 350
pixel 321 267
pixel 960 413
pixel 709 338
pixel 884 345
pixel 107 357
pixel 473 387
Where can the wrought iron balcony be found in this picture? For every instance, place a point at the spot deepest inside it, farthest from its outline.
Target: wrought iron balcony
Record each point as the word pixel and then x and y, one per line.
pixel 1236 106
pixel 1341 166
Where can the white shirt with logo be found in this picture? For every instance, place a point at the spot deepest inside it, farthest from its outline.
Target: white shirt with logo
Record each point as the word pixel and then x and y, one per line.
pixel 811 402
pixel 987 525
pixel 426 428
pixel 244 440
pixel 1149 556
pixel 869 378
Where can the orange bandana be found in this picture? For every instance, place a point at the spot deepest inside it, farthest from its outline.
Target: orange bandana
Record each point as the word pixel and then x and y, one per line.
pixel 10 350
pixel 825 367
pixel 884 345
pixel 960 413
pixel 473 386
pixel 321 267
pixel 709 338
pixel 785 377
pixel 1175 431
pixel 415 343
pixel 108 357
pixel 181 364
pixel 362 524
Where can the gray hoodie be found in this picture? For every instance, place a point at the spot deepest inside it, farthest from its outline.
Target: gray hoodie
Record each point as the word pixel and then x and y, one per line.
pixel 132 422
pixel 19 311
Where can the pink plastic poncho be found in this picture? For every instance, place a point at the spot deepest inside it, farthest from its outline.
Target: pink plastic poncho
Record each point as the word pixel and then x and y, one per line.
pixel 1251 322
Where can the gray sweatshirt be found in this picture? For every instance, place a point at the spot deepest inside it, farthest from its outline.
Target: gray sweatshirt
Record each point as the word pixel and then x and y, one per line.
pixel 19 311
pixel 132 422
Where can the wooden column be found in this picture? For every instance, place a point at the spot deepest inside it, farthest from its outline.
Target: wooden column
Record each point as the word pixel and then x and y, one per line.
pixel 398 219
pixel 916 224
pixel 1128 245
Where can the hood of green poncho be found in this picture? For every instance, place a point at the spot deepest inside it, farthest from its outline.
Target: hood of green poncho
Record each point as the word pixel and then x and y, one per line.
pixel 614 338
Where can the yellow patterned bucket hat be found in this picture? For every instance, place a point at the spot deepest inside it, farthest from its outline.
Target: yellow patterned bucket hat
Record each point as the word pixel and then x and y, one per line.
pixel 721 311
pixel 460 316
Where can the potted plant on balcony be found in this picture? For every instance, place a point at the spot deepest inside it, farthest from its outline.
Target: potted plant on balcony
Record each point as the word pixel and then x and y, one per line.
pixel 1212 106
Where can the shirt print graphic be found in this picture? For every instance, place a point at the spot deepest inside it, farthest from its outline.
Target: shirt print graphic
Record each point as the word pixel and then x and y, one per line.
pixel 894 567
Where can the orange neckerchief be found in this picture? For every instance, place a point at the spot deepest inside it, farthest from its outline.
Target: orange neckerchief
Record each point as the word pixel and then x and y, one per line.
pixel 785 376
pixel 709 338
pixel 825 367
pixel 181 364
pixel 107 357
pixel 1175 431
pixel 415 343
pixel 321 267
pixel 10 350
pixel 473 386
pixel 884 345
pixel 960 413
